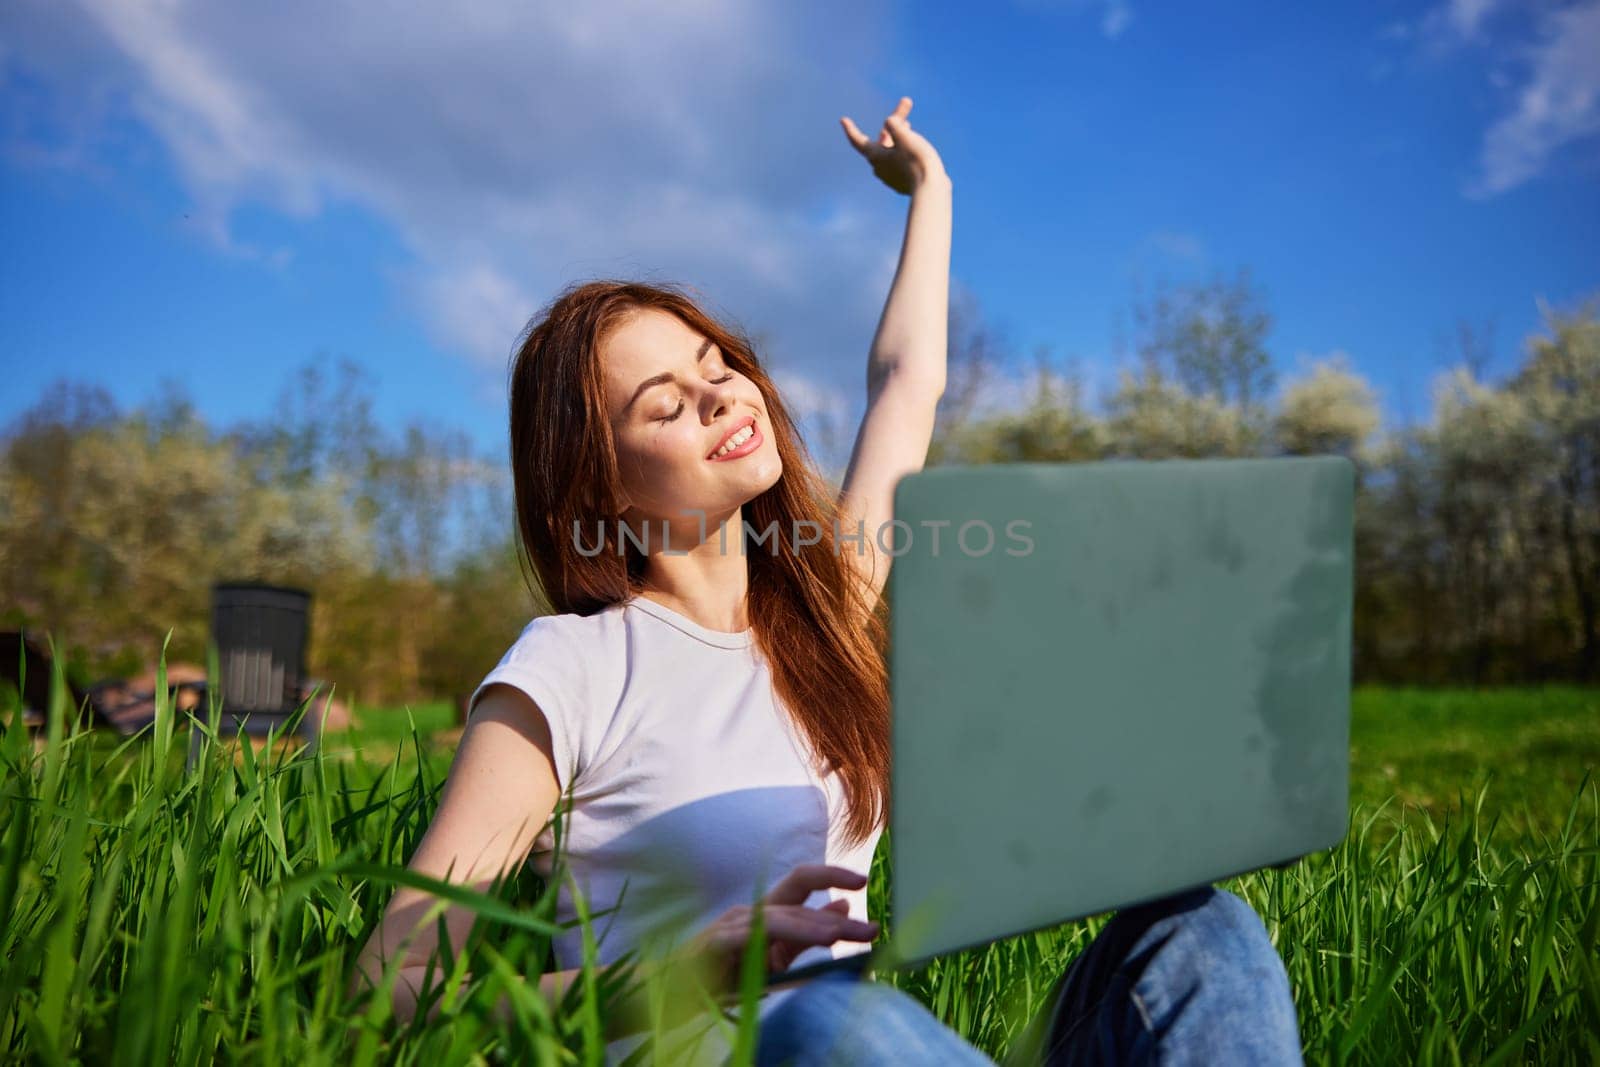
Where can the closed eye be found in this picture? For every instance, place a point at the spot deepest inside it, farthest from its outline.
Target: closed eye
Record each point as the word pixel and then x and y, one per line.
pixel 675 414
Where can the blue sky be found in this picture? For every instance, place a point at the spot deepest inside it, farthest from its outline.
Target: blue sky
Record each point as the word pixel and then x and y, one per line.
pixel 215 195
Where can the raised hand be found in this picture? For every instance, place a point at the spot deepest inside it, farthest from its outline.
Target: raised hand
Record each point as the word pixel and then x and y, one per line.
pixel 901 157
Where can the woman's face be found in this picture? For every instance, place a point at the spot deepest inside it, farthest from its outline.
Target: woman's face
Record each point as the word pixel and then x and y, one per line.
pixel 667 431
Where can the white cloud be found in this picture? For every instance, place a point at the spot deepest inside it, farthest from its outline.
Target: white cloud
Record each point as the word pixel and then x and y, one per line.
pixel 1164 253
pixel 1465 18
pixel 1177 245
pixel 474 306
pixel 1115 15
pixel 1539 59
pixel 1447 27
pixel 516 147
pixel 1115 19
pixel 807 398
pixel 1557 105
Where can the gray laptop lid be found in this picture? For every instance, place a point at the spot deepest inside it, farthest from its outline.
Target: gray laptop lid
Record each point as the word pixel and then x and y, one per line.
pixel 1110 682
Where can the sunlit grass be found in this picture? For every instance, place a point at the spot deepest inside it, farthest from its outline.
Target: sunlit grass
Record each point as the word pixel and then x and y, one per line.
pixel 158 916
pixel 1422 746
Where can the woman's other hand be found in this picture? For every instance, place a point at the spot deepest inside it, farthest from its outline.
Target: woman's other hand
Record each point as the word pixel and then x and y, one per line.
pixel 901 157
pixel 791 927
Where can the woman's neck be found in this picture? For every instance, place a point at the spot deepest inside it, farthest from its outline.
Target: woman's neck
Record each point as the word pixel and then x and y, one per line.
pixel 707 583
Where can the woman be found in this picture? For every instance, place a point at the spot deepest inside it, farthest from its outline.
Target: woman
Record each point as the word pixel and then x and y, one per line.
pixel 709 692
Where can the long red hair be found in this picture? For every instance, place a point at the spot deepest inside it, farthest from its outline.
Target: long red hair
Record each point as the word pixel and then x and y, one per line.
pixel 823 637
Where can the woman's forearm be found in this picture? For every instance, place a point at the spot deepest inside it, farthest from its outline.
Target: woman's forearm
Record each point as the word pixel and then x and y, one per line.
pixel 911 340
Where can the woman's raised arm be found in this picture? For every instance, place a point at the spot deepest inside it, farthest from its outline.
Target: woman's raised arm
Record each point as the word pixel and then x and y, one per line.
pixel 906 364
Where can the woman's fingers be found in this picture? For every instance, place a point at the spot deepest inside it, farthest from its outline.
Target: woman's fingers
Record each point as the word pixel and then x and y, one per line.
pixel 886 136
pixel 904 134
pixel 897 121
pixel 816 926
pixel 789 928
pixel 798 885
pixel 864 144
pixel 857 138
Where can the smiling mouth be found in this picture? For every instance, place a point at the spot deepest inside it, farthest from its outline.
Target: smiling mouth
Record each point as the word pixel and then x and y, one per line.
pixel 746 430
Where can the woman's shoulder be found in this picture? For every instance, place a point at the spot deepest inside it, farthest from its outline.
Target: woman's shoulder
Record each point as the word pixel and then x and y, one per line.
pixel 579 660
pixel 569 634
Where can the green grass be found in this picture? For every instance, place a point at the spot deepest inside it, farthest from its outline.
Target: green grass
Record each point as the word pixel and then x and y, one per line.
pixel 155 916
pixel 394 725
pixel 378 734
pixel 1422 746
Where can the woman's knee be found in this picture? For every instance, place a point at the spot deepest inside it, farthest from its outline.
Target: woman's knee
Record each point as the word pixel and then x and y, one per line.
pixel 818 1015
pixel 1199 931
pixel 1212 937
pixel 820 1002
pixel 867 1021
pixel 1223 920
pixel 1214 913
pixel 1214 977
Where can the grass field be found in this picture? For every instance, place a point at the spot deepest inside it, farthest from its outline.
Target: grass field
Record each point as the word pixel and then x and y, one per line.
pixel 153 916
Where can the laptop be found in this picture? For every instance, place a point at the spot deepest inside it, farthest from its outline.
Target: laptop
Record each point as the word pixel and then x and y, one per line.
pixel 1111 682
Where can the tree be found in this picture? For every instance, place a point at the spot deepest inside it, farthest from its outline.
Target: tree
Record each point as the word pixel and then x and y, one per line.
pixel 1559 389
pixel 1053 427
pixel 1153 417
pixel 1480 444
pixel 1211 337
pixel 1331 410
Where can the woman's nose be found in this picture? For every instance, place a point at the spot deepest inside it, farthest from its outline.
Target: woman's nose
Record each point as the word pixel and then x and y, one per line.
pixel 719 401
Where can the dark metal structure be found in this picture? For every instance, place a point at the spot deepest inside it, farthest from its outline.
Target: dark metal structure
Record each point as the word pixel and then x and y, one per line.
pixel 260 632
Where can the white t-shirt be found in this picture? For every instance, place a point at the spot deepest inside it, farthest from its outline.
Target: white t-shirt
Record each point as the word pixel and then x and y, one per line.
pixel 689 784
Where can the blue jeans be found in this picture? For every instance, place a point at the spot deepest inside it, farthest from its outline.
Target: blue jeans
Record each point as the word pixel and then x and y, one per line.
pixel 1189 979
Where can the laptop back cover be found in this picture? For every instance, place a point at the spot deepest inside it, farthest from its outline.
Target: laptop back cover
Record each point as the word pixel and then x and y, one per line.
pixel 1110 682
